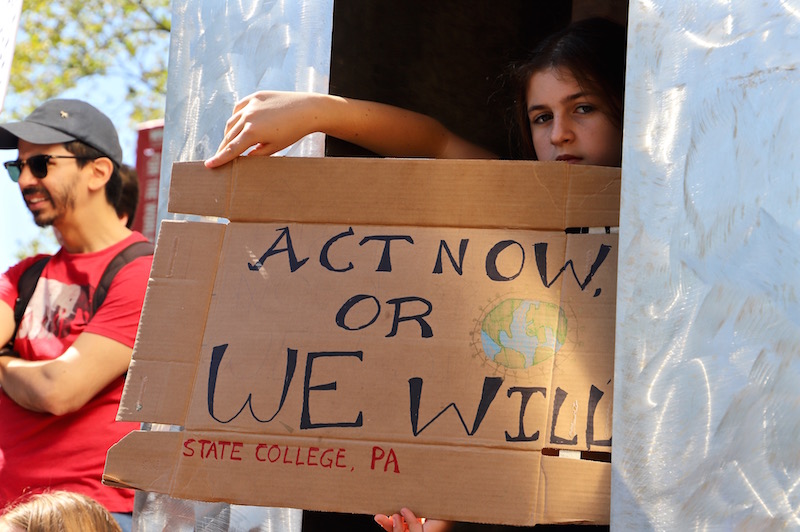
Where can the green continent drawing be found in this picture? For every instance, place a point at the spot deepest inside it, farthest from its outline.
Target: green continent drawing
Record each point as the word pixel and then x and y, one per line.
pixel 518 333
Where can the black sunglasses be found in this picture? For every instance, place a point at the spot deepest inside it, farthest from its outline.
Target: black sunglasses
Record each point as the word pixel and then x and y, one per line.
pixel 37 164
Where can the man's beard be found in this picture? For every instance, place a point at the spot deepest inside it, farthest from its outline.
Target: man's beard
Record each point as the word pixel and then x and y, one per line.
pixel 47 217
pixel 43 222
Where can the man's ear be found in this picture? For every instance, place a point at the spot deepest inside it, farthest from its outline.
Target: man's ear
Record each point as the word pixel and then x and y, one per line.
pixel 102 169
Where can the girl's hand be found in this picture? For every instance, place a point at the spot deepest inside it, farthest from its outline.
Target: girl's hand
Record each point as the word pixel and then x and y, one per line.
pixel 406 521
pixel 268 120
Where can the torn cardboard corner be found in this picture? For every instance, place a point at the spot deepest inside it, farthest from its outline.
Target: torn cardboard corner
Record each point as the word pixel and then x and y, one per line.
pixel 366 334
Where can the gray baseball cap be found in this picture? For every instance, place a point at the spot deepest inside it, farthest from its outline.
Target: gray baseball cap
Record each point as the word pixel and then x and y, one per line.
pixel 59 120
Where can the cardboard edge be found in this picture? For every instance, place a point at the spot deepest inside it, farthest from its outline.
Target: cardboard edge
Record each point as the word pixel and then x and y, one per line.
pixel 150 452
pixel 178 298
pixel 144 375
pixel 597 207
pixel 427 183
pixel 592 500
pixel 141 461
pixel 216 185
pixel 155 462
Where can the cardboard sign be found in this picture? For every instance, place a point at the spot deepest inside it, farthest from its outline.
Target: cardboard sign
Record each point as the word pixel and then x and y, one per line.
pixel 369 334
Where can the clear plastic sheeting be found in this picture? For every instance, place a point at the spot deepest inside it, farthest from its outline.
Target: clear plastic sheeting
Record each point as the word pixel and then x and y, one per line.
pixel 221 52
pixel 707 372
pixel 154 511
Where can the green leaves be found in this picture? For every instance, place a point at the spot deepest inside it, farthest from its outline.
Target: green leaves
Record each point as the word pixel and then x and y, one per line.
pixel 59 43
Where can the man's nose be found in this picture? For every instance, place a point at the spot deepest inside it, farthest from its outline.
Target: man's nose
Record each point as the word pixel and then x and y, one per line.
pixel 26 178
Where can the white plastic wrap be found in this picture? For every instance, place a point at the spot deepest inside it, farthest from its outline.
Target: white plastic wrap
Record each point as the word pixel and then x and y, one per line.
pixel 219 53
pixel 707 374
pixel 222 51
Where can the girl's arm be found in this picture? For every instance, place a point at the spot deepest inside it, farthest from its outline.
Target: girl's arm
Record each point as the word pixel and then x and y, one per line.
pixel 270 121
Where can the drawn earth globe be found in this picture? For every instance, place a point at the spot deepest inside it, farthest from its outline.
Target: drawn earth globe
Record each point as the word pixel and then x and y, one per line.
pixel 518 333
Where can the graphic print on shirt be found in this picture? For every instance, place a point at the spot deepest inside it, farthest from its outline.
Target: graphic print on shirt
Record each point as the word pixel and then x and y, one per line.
pixel 55 311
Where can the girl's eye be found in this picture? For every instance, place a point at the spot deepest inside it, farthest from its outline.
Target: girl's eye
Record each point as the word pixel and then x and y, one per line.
pixel 584 109
pixel 541 118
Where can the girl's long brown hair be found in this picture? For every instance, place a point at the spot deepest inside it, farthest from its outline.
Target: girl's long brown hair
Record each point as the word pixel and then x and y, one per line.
pixel 593 50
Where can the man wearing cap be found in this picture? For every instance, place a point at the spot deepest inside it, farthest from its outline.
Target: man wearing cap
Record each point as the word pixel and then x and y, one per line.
pixel 60 387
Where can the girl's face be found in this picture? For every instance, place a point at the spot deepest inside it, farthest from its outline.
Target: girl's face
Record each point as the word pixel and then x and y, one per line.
pixel 570 124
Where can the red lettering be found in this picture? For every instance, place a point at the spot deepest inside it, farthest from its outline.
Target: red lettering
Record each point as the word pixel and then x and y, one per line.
pixel 270 454
pixel 392 458
pixel 377 454
pixel 187 446
pixel 340 455
pixel 260 446
pixel 217 450
pixel 223 444
pixel 212 449
pixel 312 455
pixel 203 448
pixel 237 446
pixel 301 456
pixel 325 460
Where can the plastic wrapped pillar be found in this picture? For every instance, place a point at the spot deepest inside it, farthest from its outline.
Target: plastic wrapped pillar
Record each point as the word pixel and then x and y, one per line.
pixel 707 368
pixel 222 51
pixel 219 53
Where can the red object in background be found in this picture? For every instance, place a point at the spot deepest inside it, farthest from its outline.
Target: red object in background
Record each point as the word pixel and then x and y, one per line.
pixel 148 169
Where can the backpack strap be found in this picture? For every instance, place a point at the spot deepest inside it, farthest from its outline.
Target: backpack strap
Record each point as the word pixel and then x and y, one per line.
pixel 134 251
pixel 27 282
pixel 25 288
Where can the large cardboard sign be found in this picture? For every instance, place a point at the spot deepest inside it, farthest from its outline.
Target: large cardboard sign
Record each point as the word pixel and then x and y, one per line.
pixel 369 334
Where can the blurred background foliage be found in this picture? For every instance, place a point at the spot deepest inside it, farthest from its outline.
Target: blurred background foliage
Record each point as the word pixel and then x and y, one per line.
pixel 61 43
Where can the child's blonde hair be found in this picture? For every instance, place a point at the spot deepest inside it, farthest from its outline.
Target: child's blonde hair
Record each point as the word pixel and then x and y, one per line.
pixel 60 511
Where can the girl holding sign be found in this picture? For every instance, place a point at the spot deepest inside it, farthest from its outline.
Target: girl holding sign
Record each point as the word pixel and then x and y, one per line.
pixel 568 107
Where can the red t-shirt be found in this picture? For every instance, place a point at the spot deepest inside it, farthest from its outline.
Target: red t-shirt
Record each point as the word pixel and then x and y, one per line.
pixel 42 451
